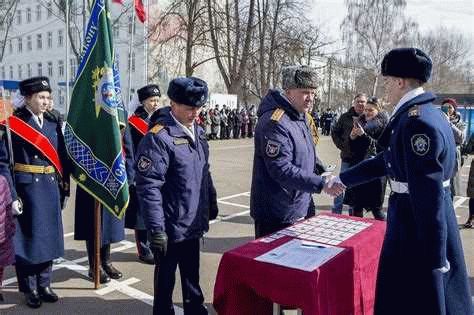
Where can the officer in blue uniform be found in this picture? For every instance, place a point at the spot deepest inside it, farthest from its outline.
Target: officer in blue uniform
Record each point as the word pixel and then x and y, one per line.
pixel 148 96
pixel 176 193
pixel 112 229
pixel 284 165
pixel 39 186
pixel 422 268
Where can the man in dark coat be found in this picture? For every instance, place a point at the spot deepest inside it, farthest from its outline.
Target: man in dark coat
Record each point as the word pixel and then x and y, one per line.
pixel 283 177
pixel 112 229
pixel 237 124
pixel 148 96
pixel 41 172
pixel 340 136
pixel 422 268
pixel 176 193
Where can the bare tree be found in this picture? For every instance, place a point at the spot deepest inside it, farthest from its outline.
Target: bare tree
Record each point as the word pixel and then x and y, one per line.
pixel 371 28
pixel 7 13
pixel 231 28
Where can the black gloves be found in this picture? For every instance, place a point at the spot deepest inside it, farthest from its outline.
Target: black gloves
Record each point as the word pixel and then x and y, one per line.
pixel 158 244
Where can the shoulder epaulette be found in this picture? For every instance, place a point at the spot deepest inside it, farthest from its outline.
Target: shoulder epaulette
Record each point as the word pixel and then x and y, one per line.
pixel 157 128
pixel 277 114
pixel 414 111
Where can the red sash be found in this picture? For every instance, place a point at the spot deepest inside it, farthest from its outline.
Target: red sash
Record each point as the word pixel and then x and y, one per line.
pixel 36 139
pixel 138 123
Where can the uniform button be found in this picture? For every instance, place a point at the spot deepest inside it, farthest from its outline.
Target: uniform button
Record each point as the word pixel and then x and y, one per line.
pixel 36 179
pixel 52 178
pixel 388 148
pixel 393 131
pixel 389 165
pixel 35 156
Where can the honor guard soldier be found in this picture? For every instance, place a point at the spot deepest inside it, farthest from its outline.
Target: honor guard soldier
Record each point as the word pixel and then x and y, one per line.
pixel 41 180
pixel 283 176
pixel 422 268
pixel 149 97
pixel 176 193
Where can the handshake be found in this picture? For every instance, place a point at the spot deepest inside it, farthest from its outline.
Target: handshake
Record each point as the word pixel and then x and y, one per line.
pixel 333 186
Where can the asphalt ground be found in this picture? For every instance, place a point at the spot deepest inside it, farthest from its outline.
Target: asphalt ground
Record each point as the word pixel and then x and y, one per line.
pixel 231 165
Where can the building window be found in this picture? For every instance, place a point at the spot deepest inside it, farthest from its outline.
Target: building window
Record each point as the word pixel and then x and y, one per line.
pixel 20 72
pixel 61 68
pixel 116 30
pixel 20 44
pixel 60 38
pixel 11 72
pixel 28 70
pixel 61 97
pixel 40 68
pixel 29 47
pixel 49 9
pixel 50 39
pixel 39 41
pixel 2 72
pixel 130 25
pixel 133 61
pixel 50 68
pixel 18 17
pixel 38 12
pixel 28 15
pixel 73 65
pixel 10 47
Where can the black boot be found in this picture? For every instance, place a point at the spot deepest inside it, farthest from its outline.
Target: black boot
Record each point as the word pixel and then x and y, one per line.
pixel 33 299
pixel 113 272
pixel 103 277
pixel 47 295
pixel 469 223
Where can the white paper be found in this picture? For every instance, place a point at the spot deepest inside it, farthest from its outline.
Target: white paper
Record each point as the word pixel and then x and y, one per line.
pixel 299 254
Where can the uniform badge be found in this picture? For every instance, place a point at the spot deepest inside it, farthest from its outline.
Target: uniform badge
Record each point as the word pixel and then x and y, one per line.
pixel 178 141
pixel 420 144
pixel 143 164
pixel 272 149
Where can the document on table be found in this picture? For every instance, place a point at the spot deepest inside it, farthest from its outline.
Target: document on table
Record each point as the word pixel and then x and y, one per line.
pixel 299 254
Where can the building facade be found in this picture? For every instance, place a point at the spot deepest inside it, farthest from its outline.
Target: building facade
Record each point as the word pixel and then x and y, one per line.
pixel 36 45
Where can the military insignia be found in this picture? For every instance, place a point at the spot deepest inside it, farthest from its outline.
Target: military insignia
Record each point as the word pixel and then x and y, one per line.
pixel 420 144
pixel 143 164
pixel 277 114
pixel 414 111
pixel 106 97
pixel 178 141
pixel 156 128
pixel 155 90
pixel 272 149
pixel 44 83
pixel 82 177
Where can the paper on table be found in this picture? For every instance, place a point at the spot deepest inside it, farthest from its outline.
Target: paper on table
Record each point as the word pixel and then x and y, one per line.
pixel 302 255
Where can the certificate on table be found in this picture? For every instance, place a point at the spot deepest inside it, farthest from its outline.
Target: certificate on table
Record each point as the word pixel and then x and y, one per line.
pixel 300 254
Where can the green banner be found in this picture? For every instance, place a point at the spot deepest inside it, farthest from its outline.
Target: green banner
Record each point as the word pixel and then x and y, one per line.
pixel 96 116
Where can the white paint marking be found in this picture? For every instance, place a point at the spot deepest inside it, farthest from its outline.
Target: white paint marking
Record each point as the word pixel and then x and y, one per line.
pixel 234 204
pixel 115 285
pixel 247 193
pixel 459 202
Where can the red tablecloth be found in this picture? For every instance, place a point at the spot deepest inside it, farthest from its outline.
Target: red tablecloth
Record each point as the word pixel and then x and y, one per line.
pixel 344 285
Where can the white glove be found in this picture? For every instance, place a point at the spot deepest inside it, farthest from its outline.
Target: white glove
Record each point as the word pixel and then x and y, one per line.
pixel 17 207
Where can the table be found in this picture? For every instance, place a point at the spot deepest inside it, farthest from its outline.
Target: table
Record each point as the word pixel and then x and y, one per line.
pixel 344 285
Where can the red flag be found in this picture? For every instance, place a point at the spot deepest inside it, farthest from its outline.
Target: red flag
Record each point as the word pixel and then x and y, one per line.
pixel 118 1
pixel 140 10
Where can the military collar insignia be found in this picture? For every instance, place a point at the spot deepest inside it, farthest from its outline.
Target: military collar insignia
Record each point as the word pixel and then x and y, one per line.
pixel 420 144
pixel 414 111
pixel 178 141
pixel 143 163
pixel 272 149
pixel 157 128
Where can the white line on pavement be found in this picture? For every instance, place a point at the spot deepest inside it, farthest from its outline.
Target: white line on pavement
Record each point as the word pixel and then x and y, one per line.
pixel 459 202
pixel 247 193
pixel 234 204
pixel 230 216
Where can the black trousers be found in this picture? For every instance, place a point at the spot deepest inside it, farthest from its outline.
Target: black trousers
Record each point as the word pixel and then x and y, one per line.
pixel 264 228
pixel 32 277
pixel 184 254
pixel 104 254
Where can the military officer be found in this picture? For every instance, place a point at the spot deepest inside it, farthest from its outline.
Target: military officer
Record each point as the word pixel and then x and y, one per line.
pixel 149 97
pixel 422 268
pixel 40 170
pixel 283 176
pixel 176 193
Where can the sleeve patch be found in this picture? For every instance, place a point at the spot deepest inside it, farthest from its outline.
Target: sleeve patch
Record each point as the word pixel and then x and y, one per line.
pixel 272 149
pixel 143 164
pixel 420 144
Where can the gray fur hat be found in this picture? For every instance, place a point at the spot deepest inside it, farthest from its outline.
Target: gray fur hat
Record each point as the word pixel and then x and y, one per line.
pixel 299 77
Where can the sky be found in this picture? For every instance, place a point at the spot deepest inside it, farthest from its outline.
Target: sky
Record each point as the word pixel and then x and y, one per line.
pixel 429 14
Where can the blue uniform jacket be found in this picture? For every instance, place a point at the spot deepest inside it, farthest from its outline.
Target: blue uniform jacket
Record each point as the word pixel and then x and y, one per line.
pixel 5 163
pixel 173 182
pixel 284 163
pixel 39 229
pixel 422 234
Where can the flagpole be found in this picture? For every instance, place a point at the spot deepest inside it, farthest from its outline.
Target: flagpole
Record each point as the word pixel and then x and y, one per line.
pixel 130 50
pixel 97 228
pixel 145 42
pixel 67 57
